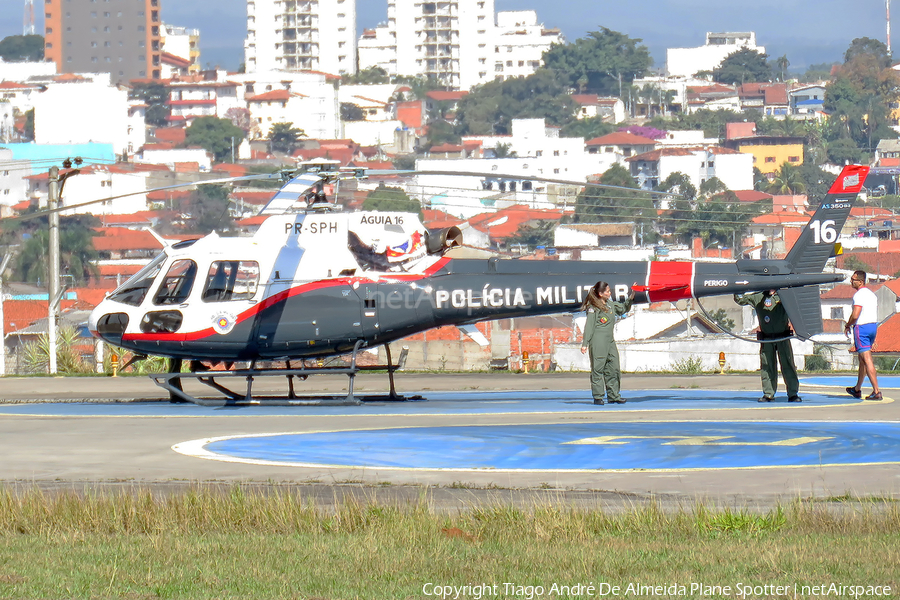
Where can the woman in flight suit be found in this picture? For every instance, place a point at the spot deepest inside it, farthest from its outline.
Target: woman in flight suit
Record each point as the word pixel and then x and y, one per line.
pixel 598 339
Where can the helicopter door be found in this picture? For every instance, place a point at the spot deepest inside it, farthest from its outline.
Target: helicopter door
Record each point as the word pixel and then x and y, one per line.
pixel 394 309
pixel 312 318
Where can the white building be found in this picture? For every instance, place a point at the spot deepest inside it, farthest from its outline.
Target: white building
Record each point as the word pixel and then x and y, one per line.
pixel 733 168
pixel 183 43
pixel 460 43
pixel 201 96
pixel 311 102
pixel 520 42
pixel 301 35
pixel 97 182
pixel 686 62
pixel 83 108
pixel 22 71
pixel 378 48
pixel 540 154
pixel 376 101
pixel 172 156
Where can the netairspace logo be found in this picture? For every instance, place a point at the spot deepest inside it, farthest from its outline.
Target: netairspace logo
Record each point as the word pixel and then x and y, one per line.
pixel 742 591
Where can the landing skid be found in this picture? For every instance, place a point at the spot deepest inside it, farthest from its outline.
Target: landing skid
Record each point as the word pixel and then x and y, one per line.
pixel 172 383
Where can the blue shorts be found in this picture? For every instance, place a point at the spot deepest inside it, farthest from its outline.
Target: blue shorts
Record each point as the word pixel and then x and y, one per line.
pixel 864 336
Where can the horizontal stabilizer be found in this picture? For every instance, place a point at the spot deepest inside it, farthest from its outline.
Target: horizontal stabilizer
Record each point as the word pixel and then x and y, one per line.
pixel 804 309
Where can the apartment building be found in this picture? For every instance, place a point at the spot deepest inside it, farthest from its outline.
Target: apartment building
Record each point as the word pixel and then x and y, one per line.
pixel 183 43
pixel 301 35
pixel 459 44
pixel 119 37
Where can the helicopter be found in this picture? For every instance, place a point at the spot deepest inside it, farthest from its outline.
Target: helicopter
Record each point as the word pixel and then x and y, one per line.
pixel 316 282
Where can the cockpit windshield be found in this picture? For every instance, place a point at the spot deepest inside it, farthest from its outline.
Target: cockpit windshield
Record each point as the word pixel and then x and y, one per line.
pixel 135 289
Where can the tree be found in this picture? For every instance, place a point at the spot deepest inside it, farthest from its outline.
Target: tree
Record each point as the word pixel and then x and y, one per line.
pixel 216 135
pixel 743 66
pixel 589 128
pixel 489 109
pixel 504 151
pixel 865 46
pixel 76 250
pixel 604 62
pixel 533 234
pixel 787 181
pixel 155 96
pixel 441 132
pixel 240 118
pixel 782 63
pixel 391 199
pixel 370 76
pixel 283 137
pixel 208 207
pixel 351 112
pixel 18 48
pixel 596 204
pixel 720 317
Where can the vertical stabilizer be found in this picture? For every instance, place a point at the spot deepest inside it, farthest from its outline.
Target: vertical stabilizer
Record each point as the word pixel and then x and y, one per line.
pixel 816 244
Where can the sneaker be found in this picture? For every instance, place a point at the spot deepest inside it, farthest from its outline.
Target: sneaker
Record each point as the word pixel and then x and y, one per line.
pixel 854 392
pixel 795 399
pixel 874 396
pixel 599 401
pixel 766 399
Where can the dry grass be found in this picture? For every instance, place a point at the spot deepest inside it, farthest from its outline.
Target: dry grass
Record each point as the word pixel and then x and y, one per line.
pixel 240 544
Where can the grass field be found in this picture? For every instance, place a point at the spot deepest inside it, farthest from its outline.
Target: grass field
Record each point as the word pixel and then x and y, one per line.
pixel 242 544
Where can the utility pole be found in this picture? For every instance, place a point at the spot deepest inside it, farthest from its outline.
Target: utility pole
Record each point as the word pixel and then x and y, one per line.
pixel 53 277
pixel 2 324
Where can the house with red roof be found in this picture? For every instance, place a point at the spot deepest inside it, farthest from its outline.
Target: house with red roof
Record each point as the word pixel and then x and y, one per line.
pixel 506 222
pixel 120 243
pixel 620 142
pixel 205 94
pixel 609 108
pixel 770 99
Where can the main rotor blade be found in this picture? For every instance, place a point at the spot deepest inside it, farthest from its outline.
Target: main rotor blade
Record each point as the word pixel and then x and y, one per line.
pixel 520 177
pixel 42 213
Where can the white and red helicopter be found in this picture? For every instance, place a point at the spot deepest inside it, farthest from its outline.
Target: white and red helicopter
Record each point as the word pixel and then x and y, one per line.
pixel 317 282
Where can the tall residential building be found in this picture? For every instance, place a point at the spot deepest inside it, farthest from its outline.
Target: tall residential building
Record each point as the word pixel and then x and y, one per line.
pixel 183 43
pixel 119 37
pixel 449 41
pixel 301 35
pixel 459 44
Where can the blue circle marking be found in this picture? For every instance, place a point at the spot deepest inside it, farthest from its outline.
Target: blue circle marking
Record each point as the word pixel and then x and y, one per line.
pixel 575 447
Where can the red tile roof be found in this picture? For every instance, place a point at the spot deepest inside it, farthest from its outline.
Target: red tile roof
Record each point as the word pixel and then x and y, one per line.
pixel 440 95
pixel 506 222
pixel 172 135
pixel 886 263
pixel 20 314
pixel 620 138
pixel 781 218
pixel 888 338
pixel 273 96
pixel 121 239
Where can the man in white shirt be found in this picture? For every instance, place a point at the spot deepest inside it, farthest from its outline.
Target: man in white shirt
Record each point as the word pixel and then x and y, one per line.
pixel 863 323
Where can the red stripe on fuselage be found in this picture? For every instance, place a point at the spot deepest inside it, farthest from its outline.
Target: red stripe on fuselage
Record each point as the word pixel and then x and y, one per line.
pixel 281 297
pixel 669 281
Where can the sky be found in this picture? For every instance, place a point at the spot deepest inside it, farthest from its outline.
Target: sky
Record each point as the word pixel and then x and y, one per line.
pixel 807 31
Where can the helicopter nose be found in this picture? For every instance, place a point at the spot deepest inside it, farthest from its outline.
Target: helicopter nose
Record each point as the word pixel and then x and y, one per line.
pixel 109 326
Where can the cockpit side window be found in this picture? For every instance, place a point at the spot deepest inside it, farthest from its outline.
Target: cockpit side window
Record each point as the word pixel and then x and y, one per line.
pixel 135 289
pixel 229 280
pixel 177 284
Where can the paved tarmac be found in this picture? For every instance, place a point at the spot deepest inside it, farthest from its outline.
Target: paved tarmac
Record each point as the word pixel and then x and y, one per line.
pixel 490 437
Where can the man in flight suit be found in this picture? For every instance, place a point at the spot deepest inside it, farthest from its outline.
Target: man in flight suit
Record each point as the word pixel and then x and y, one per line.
pixel 773 325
